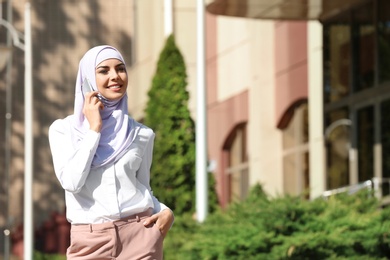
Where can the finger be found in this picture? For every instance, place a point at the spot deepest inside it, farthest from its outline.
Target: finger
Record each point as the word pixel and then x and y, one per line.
pixel 150 220
pixel 164 231
pixel 95 100
pixel 91 95
pixel 101 106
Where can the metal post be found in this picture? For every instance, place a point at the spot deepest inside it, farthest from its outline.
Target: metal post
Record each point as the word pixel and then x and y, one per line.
pixel 8 134
pixel 201 129
pixel 28 142
pixel 168 18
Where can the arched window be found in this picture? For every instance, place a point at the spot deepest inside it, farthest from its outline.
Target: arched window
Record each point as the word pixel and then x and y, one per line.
pixel 237 166
pixel 296 153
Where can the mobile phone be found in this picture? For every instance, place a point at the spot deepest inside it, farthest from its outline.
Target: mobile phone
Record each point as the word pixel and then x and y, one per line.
pixel 86 88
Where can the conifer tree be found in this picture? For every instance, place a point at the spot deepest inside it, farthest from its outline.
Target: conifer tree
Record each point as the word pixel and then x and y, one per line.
pixel 167 113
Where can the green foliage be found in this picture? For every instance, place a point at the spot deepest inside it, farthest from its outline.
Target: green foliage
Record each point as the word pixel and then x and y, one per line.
pixel 288 227
pixel 167 113
pixel 212 194
pixel 180 237
pixel 42 256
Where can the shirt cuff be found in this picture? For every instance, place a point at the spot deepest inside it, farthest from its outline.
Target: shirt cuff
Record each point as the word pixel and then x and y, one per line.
pixel 92 138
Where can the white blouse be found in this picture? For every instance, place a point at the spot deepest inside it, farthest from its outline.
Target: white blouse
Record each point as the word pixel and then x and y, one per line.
pixel 104 194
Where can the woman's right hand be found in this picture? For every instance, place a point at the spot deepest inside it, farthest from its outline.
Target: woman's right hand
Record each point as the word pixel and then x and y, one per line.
pixel 91 110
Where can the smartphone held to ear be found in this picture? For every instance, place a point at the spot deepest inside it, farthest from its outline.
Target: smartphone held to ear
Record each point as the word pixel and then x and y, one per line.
pixel 86 88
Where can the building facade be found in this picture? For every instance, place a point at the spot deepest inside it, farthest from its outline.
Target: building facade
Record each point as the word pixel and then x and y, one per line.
pixel 327 95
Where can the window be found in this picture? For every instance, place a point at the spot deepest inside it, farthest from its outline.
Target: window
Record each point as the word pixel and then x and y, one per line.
pixel 363 47
pixel 337 141
pixel 337 64
pixel 357 88
pixel 349 53
pixel 365 144
pixel 237 170
pixel 296 155
pixel 384 40
pixel 385 141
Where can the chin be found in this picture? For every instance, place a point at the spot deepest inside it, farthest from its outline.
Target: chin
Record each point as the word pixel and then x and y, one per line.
pixel 118 97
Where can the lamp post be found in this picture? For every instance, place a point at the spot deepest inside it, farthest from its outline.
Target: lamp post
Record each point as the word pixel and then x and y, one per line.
pixel 27 48
pixel 201 117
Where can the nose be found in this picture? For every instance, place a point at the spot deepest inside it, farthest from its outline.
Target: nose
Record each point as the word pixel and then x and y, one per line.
pixel 114 75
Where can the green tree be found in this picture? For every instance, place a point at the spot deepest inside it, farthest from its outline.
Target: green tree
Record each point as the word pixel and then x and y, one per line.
pixel 167 113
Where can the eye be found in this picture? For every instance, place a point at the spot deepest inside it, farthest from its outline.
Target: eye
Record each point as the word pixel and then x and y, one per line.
pixel 121 69
pixel 102 71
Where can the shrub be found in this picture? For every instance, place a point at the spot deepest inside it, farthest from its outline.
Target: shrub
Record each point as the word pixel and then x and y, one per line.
pixel 290 227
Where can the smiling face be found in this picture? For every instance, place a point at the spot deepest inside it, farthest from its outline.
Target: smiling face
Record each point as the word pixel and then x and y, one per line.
pixel 111 79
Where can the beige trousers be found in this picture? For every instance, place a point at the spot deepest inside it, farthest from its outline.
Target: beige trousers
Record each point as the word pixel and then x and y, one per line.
pixel 125 239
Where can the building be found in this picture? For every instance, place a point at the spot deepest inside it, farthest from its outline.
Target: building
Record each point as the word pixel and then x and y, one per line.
pixel 297 91
pixel 329 76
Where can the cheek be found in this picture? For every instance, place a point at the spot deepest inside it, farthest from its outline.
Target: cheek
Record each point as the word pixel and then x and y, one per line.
pixel 125 78
pixel 100 83
pixel 125 83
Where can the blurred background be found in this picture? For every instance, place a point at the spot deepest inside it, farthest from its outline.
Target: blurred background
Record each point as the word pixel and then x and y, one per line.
pixel 298 93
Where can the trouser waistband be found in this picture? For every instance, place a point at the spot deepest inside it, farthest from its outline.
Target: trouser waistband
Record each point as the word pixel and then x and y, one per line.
pixel 107 225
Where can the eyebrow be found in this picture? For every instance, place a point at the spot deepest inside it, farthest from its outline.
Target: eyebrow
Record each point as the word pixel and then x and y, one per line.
pixel 105 67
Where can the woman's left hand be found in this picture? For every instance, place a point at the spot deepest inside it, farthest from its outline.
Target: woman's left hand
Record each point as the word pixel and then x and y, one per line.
pixel 163 220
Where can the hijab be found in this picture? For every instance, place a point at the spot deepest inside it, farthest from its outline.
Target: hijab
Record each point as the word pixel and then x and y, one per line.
pixel 118 128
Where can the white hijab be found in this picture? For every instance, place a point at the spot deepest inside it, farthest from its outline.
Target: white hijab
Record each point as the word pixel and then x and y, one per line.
pixel 118 128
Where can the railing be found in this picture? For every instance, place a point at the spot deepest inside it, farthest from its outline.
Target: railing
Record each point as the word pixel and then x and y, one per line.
pixel 379 186
pixel 349 189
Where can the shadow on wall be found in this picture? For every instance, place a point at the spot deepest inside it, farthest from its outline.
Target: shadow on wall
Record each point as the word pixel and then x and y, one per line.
pixel 62 31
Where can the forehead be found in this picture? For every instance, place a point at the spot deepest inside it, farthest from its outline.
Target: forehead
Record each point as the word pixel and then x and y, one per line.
pixel 110 62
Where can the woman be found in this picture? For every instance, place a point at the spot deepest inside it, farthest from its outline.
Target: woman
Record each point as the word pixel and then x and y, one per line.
pixel 102 158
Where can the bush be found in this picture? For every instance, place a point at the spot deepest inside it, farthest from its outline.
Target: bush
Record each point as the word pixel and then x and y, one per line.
pixel 42 256
pixel 288 227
